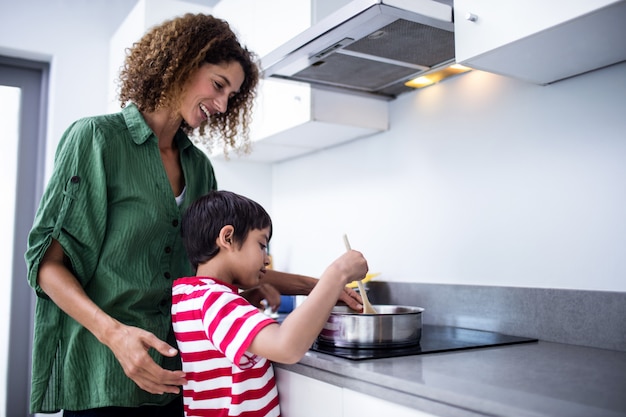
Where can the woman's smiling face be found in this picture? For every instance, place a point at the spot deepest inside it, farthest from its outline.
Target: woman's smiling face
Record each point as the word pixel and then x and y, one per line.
pixel 208 90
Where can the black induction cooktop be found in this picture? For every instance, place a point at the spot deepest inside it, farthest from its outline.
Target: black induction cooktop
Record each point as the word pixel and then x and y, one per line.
pixel 434 339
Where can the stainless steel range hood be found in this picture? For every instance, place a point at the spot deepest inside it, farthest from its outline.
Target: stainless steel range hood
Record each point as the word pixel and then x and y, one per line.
pixel 368 47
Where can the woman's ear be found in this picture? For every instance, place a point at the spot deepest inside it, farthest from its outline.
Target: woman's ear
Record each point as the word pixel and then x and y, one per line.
pixel 225 239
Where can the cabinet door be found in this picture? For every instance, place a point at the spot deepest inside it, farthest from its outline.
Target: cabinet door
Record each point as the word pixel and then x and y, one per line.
pixel 356 404
pixel 537 40
pixel 301 396
pixel 501 22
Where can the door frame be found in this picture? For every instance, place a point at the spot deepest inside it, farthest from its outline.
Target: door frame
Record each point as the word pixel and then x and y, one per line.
pixel 32 77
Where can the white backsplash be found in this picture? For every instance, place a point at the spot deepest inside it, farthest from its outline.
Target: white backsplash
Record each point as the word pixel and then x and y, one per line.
pixel 480 180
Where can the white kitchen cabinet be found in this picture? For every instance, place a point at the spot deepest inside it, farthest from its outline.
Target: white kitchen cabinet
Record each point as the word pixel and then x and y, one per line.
pixel 356 404
pixel 539 41
pixel 291 119
pixel 301 396
pixel 297 119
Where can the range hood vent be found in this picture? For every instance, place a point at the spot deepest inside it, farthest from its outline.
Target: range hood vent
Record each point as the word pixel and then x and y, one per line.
pixel 368 47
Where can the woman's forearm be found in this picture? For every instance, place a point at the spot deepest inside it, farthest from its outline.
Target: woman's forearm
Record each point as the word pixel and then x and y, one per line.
pixel 290 284
pixel 130 345
pixel 293 284
pixel 58 282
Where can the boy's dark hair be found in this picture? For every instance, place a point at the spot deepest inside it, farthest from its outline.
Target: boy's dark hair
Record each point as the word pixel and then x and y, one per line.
pixel 205 217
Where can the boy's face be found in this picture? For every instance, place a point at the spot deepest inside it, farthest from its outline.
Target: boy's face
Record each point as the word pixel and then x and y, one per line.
pixel 252 259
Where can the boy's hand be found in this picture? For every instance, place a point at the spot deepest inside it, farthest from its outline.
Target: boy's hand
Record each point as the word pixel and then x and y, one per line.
pixel 351 266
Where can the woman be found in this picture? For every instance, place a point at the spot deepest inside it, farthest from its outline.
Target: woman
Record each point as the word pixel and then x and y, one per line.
pixel 105 244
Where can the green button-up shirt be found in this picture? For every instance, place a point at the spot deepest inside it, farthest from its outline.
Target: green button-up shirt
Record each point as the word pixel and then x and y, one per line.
pixel 110 205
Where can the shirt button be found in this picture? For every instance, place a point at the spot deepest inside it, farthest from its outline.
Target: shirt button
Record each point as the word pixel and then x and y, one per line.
pixel 75 179
pixel 167 275
pixel 168 249
pixel 175 222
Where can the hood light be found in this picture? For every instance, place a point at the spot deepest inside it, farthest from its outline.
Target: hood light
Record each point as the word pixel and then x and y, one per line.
pixel 436 76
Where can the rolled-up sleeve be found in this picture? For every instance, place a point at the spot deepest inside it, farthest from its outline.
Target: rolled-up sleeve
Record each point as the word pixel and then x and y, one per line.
pixel 73 207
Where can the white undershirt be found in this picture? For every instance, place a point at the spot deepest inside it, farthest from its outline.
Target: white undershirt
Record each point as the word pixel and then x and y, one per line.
pixel 181 197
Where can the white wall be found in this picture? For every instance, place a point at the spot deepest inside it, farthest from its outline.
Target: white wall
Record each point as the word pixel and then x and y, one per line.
pixel 73 36
pixel 480 180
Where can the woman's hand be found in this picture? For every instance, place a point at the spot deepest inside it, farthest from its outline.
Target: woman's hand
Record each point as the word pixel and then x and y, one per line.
pixel 262 292
pixel 130 346
pixel 351 298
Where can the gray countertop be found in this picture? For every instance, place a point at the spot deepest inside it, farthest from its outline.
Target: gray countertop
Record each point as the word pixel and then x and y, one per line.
pixel 530 379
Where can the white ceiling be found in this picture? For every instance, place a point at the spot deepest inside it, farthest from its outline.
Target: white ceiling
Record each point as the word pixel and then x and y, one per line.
pixel 208 3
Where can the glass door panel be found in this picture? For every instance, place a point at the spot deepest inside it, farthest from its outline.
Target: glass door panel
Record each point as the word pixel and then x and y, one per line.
pixel 10 98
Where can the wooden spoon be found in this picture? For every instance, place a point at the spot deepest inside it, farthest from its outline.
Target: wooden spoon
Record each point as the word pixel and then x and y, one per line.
pixel 367 306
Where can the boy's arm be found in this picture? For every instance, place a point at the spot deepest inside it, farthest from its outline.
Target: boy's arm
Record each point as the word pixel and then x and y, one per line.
pixel 288 342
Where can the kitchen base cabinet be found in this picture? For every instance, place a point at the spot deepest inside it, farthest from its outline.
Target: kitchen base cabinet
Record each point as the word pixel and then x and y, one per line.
pixel 356 404
pixel 302 396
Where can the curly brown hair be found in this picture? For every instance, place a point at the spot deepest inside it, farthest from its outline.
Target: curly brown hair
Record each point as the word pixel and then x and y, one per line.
pixel 158 66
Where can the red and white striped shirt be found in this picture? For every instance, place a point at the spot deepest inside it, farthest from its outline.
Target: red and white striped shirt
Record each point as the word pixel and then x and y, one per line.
pixel 214 327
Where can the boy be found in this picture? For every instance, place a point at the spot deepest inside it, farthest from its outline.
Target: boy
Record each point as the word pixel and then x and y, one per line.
pixel 225 342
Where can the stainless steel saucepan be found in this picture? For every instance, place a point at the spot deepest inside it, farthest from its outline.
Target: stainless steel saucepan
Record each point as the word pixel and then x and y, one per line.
pixel 391 326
